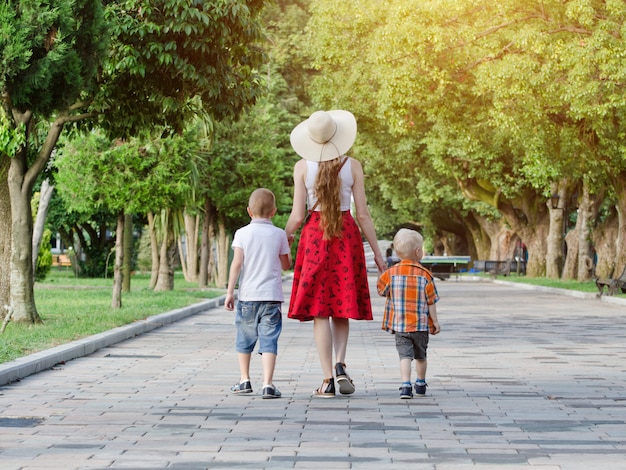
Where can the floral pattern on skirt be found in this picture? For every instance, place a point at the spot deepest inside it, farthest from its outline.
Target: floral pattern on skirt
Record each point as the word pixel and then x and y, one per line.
pixel 330 276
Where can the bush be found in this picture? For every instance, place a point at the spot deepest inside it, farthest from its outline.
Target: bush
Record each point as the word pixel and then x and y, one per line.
pixel 44 259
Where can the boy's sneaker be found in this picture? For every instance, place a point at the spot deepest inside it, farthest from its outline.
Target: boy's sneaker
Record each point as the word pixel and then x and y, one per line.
pixel 406 392
pixel 420 390
pixel 270 391
pixel 243 387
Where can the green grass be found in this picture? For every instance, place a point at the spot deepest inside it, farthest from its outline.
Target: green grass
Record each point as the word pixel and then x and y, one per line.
pixel 73 308
pixel 586 286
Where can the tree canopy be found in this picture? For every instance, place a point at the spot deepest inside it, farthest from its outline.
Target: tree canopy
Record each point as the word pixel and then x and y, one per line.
pixel 512 100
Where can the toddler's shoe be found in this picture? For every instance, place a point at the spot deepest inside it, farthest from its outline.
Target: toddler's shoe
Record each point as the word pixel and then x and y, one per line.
pixel 270 391
pixel 243 387
pixel 406 392
pixel 420 390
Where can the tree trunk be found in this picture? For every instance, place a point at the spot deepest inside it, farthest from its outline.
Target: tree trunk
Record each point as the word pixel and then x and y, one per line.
pixel 586 213
pixel 207 262
pixel 45 194
pixel 154 251
pixel 572 239
pixel 165 280
pixel 5 233
pixel 21 179
pixel 127 252
pixel 212 255
pixel 619 183
pixel 116 301
pixel 223 249
pixel 182 257
pixel 22 278
pixel 480 236
pixel 203 269
pixel 166 272
pixel 555 251
pixel 537 255
pixel 192 226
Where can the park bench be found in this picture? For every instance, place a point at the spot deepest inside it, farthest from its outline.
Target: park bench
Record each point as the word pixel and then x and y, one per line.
pixel 612 284
pixel 62 261
pixel 500 267
pixel 442 267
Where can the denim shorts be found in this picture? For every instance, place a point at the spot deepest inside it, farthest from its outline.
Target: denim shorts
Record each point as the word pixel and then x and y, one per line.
pixel 258 321
pixel 412 345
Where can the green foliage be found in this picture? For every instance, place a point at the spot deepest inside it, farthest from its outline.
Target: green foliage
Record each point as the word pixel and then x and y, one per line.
pixel 510 97
pixel 135 176
pixel 11 137
pixel 49 51
pixel 249 153
pixel 44 258
pixel 165 53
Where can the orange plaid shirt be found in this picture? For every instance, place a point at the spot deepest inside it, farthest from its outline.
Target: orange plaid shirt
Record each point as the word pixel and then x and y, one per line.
pixel 410 289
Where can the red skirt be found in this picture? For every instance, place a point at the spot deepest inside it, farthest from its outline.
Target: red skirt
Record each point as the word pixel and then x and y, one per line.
pixel 330 276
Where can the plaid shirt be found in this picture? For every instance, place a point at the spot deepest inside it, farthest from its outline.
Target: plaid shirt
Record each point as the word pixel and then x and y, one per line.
pixel 410 289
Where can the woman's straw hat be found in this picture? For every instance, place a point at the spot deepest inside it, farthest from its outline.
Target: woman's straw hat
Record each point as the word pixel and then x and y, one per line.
pixel 325 136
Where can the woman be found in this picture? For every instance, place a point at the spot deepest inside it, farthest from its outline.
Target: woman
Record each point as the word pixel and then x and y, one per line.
pixel 330 283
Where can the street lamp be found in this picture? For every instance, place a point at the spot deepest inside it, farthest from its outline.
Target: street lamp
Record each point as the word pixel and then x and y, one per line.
pixel 554 200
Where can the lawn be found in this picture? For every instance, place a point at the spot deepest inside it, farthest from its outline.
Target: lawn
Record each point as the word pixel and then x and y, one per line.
pixel 72 308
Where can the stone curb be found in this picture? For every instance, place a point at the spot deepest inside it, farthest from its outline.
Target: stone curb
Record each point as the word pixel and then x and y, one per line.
pixel 48 358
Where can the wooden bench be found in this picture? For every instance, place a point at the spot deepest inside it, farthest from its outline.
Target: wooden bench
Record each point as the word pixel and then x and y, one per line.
pixel 500 267
pixel 612 284
pixel 62 261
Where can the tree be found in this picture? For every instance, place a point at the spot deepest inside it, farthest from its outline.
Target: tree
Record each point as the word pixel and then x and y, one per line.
pixel 501 97
pixel 50 55
pixel 161 56
pixel 139 176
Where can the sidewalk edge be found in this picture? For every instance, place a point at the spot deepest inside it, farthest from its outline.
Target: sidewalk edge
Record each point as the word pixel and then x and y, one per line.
pixel 43 360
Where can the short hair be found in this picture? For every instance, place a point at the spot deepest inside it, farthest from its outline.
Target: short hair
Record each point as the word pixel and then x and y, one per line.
pixel 406 242
pixel 262 202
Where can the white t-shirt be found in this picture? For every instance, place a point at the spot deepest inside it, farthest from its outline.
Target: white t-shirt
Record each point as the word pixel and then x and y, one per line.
pixel 261 274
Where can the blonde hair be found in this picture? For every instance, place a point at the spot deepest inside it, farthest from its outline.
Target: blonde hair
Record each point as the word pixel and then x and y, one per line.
pixel 262 202
pixel 406 242
pixel 327 189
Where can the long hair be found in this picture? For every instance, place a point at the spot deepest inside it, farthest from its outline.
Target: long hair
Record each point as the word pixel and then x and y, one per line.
pixel 327 190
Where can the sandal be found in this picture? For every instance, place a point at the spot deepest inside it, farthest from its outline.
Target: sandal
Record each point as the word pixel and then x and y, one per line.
pixel 346 386
pixel 327 390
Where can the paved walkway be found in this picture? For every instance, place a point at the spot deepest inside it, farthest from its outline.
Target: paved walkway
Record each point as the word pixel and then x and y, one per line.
pixel 517 379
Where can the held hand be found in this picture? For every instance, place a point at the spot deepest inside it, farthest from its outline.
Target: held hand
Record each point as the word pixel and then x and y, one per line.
pixel 380 263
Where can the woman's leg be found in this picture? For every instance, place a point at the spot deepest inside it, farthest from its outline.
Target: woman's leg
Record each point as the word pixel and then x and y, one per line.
pixel 324 342
pixel 340 332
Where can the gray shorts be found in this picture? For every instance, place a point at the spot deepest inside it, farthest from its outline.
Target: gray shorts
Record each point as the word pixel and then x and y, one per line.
pixel 412 345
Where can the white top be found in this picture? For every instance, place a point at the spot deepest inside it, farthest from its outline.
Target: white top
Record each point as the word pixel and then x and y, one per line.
pixel 261 274
pixel 346 184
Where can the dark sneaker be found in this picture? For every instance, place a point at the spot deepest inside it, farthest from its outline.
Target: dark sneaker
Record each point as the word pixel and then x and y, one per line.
pixel 270 392
pixel 420 390
pixel 243 387
pixel 406 392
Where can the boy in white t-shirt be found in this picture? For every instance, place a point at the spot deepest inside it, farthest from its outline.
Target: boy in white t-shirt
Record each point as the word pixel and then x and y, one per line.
pixel 261 253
